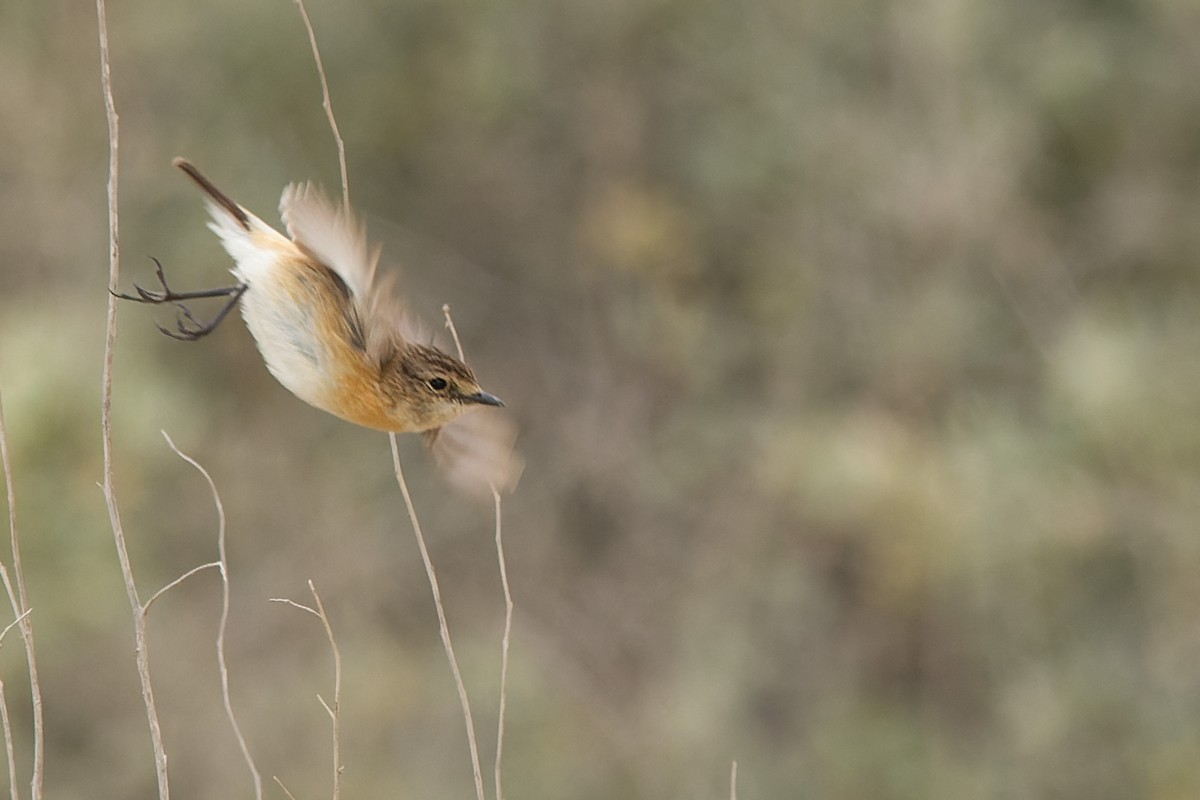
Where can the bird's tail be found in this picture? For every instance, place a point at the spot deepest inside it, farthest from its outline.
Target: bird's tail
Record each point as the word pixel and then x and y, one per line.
pixel 216 195
pixel 252 243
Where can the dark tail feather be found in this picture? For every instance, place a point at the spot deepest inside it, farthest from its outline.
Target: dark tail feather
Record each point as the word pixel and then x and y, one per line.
pixel 219 197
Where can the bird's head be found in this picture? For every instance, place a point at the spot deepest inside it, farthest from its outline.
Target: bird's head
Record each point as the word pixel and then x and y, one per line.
pixel 428 388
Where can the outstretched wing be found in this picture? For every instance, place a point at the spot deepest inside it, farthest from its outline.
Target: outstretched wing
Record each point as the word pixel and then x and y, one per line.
pixel 331 234
pixel 335 238
pixel 476 453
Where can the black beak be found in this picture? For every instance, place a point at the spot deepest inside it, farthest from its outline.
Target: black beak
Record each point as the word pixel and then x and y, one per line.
pixel 484 399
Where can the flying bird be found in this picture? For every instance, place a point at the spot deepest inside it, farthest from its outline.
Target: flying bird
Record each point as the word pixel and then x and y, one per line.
pixel 337 337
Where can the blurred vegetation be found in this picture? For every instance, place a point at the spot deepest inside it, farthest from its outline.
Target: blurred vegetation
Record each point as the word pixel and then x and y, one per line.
pixel 854 347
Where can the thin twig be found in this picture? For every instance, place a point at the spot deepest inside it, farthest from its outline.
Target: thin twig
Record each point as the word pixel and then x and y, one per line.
pixel 13 791
pixel 412 514
pixel 14 623
pixel 443 628
pixel 20 606
pixel 176 582
pixel 222 666
pixel 453 331
pixel 327 104
pixel 508 601
pixel 508 618
pixel 281 786
pixel 733 781
pixel 294 604
pixel 110 498
pixel 334 711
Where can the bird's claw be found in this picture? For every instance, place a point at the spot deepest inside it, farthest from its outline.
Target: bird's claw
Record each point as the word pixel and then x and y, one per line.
pixel 187 327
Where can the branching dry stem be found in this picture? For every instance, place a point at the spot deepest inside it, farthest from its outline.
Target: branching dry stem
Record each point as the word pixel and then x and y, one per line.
pixel 334 711
pixel 443 628
pixel 19 602
pixel 141 650
pixel 13 791
pixel 508 619
pixel 327 104
pixel 508 601
pixel 176 582
pixel 222 564
pixel 281 786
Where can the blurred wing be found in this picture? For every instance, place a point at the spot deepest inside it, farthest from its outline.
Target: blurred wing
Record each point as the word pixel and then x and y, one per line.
pixel 476 452
pixel 331 234
pixel 335 238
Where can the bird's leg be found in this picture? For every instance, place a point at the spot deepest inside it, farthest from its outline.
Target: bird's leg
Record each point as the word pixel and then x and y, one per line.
pixel 187 327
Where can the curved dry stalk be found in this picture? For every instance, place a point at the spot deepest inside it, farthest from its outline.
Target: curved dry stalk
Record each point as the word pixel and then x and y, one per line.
pixel 453 331
pixel 110 339
pixel 176 582
pixel 13 792
pixel 335 711
pixel 20 606
pixel 508 618
pixel 281 786
pixel 327 104
pixel 443 628
pixel 508 601
pixel 15 622
pixel 223 565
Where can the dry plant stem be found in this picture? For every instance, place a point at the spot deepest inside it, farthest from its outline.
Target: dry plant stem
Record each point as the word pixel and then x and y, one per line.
pixel 334 712
pixel 733 781
pixel 453 331
pixel 443 628
pixel 222 565
pixel 508 602
pixel 110 498
pixel 154 597
pixel 412 514
pixel 508 617
pixel 327 104
pixel 13 792
pixel 285 789
pixel 20 606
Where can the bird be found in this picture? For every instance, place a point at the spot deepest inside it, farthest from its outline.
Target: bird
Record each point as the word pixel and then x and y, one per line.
pixel 338 338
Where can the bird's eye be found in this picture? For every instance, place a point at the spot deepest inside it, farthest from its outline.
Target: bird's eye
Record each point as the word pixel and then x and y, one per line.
pixel 437 384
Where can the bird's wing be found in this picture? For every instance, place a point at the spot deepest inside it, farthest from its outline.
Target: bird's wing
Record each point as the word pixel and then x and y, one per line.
pixel 476 451
pixel 332 235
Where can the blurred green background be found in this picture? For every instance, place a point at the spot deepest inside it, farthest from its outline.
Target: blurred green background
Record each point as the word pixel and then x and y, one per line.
pixel 854 346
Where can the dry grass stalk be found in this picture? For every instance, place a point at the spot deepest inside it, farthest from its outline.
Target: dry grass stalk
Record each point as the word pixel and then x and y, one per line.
pixel 223 565
pixel 508 618
pixel 21 610
pixel 508 601
pixel 285 789
pixel 334 711
pixel 443 628
pixel 13 792
pixel 110 498
pixel 327 104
